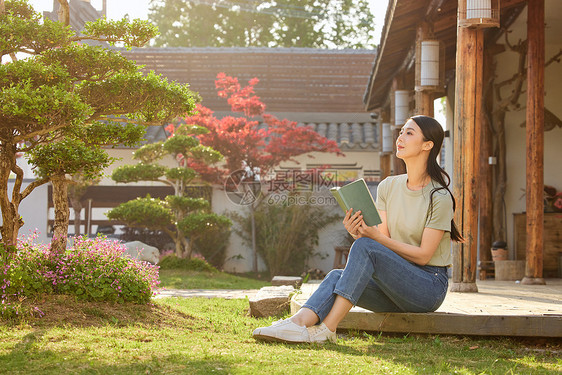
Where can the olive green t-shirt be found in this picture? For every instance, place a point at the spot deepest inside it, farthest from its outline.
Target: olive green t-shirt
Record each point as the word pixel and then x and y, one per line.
pixel 408 214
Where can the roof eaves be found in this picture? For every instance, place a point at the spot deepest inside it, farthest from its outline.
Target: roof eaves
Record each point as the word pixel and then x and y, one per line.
pixel 382 44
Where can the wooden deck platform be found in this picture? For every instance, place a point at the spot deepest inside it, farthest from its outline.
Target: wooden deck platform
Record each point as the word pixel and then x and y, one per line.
pixel 500 308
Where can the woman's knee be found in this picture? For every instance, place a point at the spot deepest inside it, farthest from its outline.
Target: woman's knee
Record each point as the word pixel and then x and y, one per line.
pixel 363 245
pixel 334 275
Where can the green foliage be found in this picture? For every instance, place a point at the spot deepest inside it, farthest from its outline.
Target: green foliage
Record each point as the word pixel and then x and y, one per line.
pixel 287 23
pixel 68 99
pixel 108 133
pixel 187 204
pixel 138 172
pixel 213 245
pixel 191 129
pixel 206 154
pixel 21 30
pixel 152 213
pixel 180 144
pixel 92 270
pixel 25 273
pixel 286 235
pixel 69 156
pixel 150 152
pixel 148 99
pixel 135 33
pixel 197 225
pixel 180 174
pixel 193 264
pixel 101 275
pixel 27 107
pixel 178 215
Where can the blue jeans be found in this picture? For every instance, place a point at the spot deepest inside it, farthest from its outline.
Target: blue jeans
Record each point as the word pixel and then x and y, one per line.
pixel 378 279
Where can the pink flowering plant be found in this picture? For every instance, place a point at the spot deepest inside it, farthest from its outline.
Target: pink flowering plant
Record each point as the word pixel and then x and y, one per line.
pixel 91 269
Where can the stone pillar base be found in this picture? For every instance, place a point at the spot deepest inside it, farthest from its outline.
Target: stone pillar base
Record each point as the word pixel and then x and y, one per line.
pixel 533 281
pixel 464 288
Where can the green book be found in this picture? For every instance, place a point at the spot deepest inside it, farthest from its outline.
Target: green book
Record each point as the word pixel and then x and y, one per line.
pixel 356 195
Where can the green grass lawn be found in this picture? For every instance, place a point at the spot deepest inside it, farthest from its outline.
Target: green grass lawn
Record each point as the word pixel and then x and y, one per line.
pixel 187 279
pixel 213 336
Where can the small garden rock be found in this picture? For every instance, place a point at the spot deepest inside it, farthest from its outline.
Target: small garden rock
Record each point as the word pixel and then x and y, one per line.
pixel 271 301
pixel 294 281
pixel 141 251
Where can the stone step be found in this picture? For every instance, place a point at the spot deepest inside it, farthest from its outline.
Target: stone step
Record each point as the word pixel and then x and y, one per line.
pixel 271 301
pixel 294 281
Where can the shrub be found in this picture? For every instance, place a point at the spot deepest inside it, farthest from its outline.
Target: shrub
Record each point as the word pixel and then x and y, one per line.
pixel 92 270
pixel 96 270
pixel 192 264
pixel 157 238
pixel 213 245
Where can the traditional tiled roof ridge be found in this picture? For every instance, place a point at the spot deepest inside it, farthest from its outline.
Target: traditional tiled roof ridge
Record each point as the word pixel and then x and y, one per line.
pixel 350 136
pixel 249 50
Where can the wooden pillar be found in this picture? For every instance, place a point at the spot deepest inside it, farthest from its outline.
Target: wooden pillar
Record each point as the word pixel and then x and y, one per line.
pixel 468 107
pixel 424 99
pixel 535 142
pixel 385 158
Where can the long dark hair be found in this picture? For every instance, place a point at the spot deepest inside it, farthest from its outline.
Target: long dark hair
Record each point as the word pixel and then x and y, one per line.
pixel 432 131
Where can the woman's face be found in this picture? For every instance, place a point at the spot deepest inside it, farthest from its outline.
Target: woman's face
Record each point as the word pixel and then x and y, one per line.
pixel 410 143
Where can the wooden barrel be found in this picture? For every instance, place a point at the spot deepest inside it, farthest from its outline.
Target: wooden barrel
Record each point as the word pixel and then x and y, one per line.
pixel 509 269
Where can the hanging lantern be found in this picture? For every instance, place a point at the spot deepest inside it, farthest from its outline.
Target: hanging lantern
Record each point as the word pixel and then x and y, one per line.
pixel 430 72
pixel 401 107
pixel 479 13
pixel 387 141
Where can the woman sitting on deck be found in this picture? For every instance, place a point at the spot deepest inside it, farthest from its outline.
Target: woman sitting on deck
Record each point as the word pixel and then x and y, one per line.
pixel 399 265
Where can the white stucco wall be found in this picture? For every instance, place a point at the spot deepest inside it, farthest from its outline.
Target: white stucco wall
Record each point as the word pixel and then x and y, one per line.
pixel 33 210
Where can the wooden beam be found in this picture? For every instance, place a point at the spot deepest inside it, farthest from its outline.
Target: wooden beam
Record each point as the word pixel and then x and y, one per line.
pixel 535 142
pixel 468 107
pixel 486 173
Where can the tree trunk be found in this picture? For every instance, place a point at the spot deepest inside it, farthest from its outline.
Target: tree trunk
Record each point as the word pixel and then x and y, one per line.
pixel 188 249
pixel 64 12
pixel 76 191
pixel 179 247
pixel 11 220
pixel 62 214
pixel 254 248
pixel 77 207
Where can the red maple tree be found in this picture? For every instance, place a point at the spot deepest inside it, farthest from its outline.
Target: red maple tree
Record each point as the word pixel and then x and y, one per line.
pixel 242 140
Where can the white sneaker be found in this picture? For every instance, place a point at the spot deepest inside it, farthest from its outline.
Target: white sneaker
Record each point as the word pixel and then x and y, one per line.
pixel 283 331
pixel 321 333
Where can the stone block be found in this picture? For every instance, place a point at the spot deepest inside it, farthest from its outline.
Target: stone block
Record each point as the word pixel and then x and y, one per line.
pixel 141 251
pixel 294 281
pixel 271 301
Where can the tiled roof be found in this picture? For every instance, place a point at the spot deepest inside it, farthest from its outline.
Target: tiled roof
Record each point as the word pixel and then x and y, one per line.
pixel 349 136
pixel 291 79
